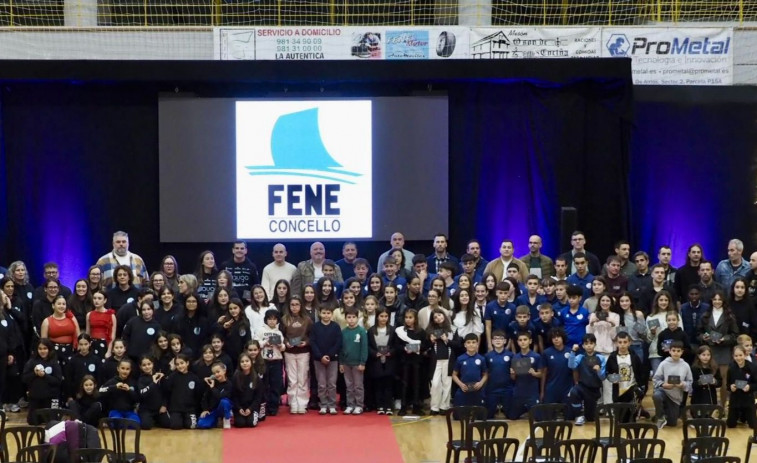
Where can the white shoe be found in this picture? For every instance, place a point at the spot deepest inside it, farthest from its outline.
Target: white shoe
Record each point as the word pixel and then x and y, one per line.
pixel 357 411
pixel 580 421
pixel 348 411
pixel 226 423
pixel 397 404
pixel 322 411
pixel 332 411
pixel 661 423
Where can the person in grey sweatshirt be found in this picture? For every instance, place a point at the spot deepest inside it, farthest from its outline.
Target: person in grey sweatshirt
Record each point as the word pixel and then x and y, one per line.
pixel 672 378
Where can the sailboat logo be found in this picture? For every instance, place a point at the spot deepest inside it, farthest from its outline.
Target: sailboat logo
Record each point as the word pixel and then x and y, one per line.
pixel 298 150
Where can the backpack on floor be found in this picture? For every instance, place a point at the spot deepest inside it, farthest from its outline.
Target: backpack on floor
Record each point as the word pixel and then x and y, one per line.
pixel 69 436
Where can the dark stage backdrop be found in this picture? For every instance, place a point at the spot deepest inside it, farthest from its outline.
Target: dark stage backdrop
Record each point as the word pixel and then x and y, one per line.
pixel 81 161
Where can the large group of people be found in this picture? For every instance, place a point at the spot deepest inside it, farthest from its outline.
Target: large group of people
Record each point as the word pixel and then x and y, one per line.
pixel 189 350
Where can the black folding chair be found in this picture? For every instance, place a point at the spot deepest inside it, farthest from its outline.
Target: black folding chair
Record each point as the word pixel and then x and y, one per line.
pixel 637 431
pixel 116 434
pixel 21 436
pixel 500 450
pixel 698 448
pixel 492 429
pixel 42 453
pixel 464 417
pixel 577 450
pixel 92 456
pixel 544 437
pixel 633 449
pixel 607 436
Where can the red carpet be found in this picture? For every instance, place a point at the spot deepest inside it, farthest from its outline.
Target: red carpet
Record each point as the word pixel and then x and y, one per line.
pixel 311 438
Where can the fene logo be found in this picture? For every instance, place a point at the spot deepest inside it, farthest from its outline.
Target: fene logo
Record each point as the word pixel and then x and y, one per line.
pixel 304 169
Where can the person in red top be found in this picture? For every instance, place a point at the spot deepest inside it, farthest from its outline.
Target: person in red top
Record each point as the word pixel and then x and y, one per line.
pixel 62 329
pixel 101 325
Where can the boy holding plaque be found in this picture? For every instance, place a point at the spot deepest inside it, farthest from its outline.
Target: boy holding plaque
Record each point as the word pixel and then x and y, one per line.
pixel 526 372
pixel 272 342
pixel 589 368
pixel 742 382
pixel 470 374
pixel 672 379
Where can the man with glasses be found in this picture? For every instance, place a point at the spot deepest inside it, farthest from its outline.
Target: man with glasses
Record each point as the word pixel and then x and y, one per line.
pixel 578 242
pixel 52 272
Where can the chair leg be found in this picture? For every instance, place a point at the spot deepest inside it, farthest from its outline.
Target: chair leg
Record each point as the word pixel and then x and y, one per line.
pixel 748 450
pixel 449 456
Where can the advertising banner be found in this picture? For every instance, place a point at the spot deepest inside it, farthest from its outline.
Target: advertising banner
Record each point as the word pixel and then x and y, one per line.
pixel 673 56
pixel 535 42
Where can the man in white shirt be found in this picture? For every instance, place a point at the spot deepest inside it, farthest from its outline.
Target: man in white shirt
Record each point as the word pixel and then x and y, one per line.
pixel 277 270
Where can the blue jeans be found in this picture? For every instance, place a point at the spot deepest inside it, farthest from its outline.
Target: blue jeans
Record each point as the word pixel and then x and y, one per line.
pixel 211 419
pixel 128 414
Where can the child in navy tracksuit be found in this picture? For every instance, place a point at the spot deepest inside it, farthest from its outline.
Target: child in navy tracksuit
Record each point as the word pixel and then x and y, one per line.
pixel 217 399
pixel 470 374
pixel 522 323
pixel 499 386
pixel 526 390
pixel 558 377
pixel 591 372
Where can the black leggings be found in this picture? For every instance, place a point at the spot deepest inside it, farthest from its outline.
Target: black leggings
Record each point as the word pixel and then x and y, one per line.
pixel 411 384
pixel 383 392
pixel 249 421
pixel 149 419
pixel 183 420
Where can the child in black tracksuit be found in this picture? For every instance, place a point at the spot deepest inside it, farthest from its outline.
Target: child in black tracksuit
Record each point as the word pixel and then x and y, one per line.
pixel 590 368
pixel 183 390
pixel 152 407
pixel 120 393
pixel 140 332
pixel 86 405
pixel 83 363
pixel 741 403
pixel 42 376
pixel 246 394
pixel 235 329
pixel 217 399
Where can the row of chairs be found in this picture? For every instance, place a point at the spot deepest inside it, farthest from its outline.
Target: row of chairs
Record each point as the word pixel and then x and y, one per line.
pixel 120 438
pixel 550 436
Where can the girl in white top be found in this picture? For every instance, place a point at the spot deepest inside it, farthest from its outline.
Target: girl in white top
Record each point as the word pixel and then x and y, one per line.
pixel 661 303
pixel 255 312
pixel 467 319
pixel 604 323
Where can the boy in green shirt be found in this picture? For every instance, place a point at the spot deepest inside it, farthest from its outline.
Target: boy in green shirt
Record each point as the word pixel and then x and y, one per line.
pixel 352 362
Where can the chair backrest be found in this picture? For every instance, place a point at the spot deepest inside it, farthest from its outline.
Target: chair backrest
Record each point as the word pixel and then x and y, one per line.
pixel 21 436
pixel 615 414
pixel 492 429
pixel 703 411
pixel 42 453
pixel 576 450
pixel 549 434
pixel 545 412
pixel 114 433
pixel 92 455
pixel 632 449
pixel 704 447
pixel 702 427
pixel 652 460
pixel 497 450
pixel 46 415
pixel 461 418
pixel 724 459
pixel 637 431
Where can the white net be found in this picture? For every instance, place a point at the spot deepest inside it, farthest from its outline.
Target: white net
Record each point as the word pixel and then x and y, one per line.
pixel 87 13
